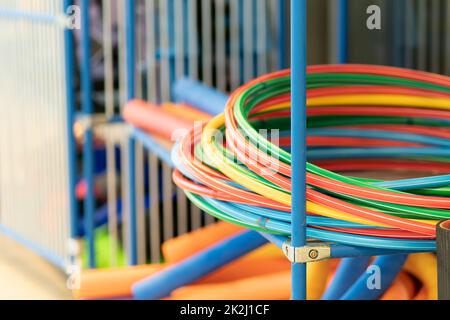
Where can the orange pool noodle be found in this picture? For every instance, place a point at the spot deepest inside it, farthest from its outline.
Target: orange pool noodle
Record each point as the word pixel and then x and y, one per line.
pixel 116 283
pixel 153 119
pixel 402 289
pixel 185 112
pixel 180 248
pixel 112 283
pixel 268 287
pixel 422 295
pixel 423 266
pixel 272 286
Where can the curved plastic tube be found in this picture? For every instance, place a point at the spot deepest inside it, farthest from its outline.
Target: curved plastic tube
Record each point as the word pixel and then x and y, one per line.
pixel 200 96
pixel 383 272
pixel 162 284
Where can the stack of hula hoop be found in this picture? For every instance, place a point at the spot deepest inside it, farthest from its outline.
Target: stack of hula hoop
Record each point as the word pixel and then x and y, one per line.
pixel 237 167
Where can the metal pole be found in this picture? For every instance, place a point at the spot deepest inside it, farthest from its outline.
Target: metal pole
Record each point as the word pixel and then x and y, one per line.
pixel 88 152
pixel 130 45
pixel 298 150
pixel 132 222
pixel 131 88
pixel 443 254
pixel 342 31
pixel 70 96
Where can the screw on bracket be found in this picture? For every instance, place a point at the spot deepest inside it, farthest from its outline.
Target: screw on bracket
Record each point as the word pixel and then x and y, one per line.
pixel 313 254
pixel 309 253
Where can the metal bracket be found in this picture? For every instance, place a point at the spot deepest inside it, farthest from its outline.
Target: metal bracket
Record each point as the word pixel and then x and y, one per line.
pixel 310 253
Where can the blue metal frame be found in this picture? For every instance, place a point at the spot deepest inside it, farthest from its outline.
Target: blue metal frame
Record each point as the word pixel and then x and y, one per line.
pixel 132 223
pixel 342 31
pixel 41 251
pixel 60 262
pixel 298 150
pixel 131 92
pixel 70 115
pixel 88 148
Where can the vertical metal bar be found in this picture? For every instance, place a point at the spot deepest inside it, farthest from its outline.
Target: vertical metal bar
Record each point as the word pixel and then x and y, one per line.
pixel 121 35
pixel 333 33
pixel 249 50
pixel 235 44
pixel 111 177
pixel 398 33
pixel 150 27
pixel 108 58
pixel 172 53
pixel 125 191
pixel 207 50
pixel 131 67
pixel 140 204
pixel 139 22
pixel 130 48
pixel 422 34
pixel 182 219
pixel 193 39
pixel 88 152
pixel 168 202
pixel 155 221
pixel 282 34
pixel 435 39
pixel 165 49
pixel 132 221
pixel 196 217
pixel 261 34
pixel 221 71
pixel 71 145
pixel 179 39
pixel 298 127
pixel 273 25
pixel 342 31
pixel 443 257
pixel 410 34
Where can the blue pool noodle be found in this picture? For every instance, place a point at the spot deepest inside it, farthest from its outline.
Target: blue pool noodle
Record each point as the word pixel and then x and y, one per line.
pixel 390 267
pixel 347 273
pixel 199 96
pixel 199 265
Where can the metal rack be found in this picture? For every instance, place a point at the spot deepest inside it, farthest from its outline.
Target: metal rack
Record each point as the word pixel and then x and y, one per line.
pixel 178 56
pixel 186 63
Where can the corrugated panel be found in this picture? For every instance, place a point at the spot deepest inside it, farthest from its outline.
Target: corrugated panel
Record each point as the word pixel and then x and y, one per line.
pixel 34 203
